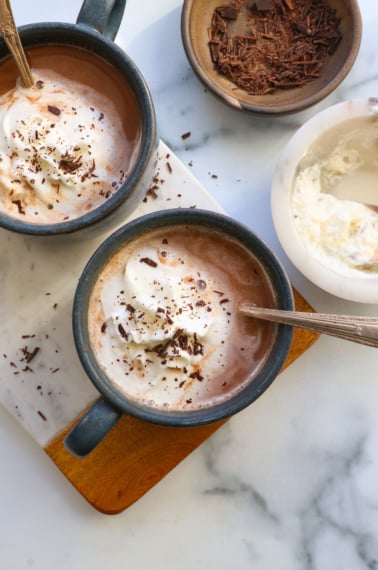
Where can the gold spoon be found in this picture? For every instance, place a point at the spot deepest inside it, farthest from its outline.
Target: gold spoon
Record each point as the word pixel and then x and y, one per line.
pixel 9 32
pixel 363 330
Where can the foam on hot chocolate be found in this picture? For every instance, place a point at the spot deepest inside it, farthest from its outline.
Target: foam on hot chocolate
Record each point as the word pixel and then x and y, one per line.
pixel 60 150
pixel 164 322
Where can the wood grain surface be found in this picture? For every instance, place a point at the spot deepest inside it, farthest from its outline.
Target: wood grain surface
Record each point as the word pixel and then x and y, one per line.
pixel 136 455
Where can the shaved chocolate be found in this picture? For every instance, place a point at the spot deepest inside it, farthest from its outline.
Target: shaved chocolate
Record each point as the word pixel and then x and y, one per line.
pixel 122 332
pixel 148 261
pixel 263 5
pixel 30 355
pixel 70 164
pixel 273 44
pixel 20 208
pixel 54 110
pixel 229 12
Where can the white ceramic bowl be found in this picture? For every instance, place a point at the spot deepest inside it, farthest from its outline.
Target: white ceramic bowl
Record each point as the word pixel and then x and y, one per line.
pixel 359 286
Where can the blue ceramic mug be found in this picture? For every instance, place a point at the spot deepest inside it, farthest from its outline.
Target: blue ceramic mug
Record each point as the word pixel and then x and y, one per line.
pixel 93 34
pixel 259 269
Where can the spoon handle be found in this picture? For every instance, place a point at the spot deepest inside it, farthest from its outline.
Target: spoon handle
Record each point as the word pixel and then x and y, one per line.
pixel 9 32
pixel 363 330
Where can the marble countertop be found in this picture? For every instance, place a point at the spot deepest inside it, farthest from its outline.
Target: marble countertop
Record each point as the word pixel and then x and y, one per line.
pixel 289 483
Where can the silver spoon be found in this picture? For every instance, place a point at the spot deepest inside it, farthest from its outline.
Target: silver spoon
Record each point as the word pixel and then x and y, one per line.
pixel 363 330
pixel 9 32
pixel 360 187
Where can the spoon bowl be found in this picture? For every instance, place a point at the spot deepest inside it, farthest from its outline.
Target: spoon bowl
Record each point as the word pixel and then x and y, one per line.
pixel 361 187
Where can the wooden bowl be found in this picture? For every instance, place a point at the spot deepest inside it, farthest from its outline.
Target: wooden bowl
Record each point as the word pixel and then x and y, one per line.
pixel 195 22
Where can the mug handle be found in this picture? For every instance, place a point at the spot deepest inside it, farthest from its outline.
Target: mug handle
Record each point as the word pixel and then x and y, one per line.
pixel 105 16
pixel 92 428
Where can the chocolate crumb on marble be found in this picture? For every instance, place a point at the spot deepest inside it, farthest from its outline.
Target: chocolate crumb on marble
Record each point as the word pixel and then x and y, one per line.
pixel 152 191
pixel 30 355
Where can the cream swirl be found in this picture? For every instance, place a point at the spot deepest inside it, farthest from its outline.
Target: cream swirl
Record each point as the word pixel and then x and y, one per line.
pixel 166 320
pixel 58 143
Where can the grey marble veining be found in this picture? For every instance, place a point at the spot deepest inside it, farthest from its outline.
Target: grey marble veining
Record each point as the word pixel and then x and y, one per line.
pixel 291 482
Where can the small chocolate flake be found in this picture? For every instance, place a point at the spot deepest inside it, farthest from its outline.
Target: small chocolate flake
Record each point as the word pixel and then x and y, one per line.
pixel 42 415
pixel 54 110
pixel 103 327
pixel 228 12
pixel 30 355
pixel 20 208
pixel 263 5
pixel 186 135
pixel 122 332
pixel 148 261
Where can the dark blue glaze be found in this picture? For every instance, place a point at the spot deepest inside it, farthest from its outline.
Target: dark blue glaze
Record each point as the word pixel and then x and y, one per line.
pixel 119 401
pixel 105 16
pixel 92 428
pixel 123 202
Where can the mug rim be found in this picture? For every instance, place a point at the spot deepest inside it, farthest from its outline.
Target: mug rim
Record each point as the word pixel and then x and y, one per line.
pixel 126 67
pixel 144 225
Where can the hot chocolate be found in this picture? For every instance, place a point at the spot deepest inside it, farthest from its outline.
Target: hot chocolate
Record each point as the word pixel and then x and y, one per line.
pixel 164 323
pixel 68 143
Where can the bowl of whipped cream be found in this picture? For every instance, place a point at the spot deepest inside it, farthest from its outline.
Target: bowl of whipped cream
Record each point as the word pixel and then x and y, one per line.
pixel 324 200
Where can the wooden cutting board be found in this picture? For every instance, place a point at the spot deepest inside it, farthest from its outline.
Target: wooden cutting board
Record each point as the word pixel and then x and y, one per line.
pixel 42 382
pixel 136 455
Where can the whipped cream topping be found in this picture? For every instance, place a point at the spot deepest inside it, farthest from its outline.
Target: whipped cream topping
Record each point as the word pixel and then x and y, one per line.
pixel 341 233
pixel 60 150
pixel 166 320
